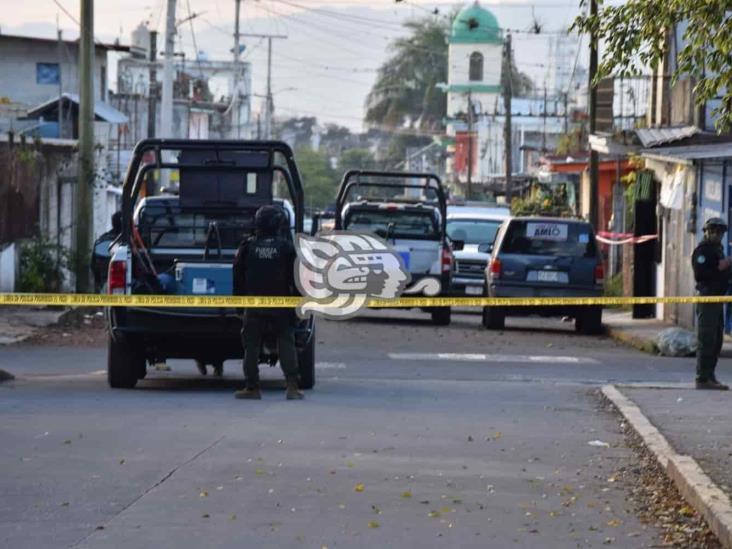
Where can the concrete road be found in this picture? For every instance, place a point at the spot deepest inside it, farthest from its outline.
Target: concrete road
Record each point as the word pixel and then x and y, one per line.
pixel 414 436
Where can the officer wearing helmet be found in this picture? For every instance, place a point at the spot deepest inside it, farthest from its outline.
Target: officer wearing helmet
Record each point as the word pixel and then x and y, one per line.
pixel 712 275
pixel 264 266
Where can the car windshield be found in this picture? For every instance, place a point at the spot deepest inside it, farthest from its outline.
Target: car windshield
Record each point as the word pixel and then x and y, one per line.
pixel 393 223
pixel 555 238
pixel 473 231
pixel 166 226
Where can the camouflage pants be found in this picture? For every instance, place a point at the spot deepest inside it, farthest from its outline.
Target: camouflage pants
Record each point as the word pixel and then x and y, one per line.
pixel 259 325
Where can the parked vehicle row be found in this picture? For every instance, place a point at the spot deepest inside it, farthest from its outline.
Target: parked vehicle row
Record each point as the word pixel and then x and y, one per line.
pixel 185 243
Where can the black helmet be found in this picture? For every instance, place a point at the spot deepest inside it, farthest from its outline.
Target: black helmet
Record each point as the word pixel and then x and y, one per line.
pixel 715 222
pixel 268 220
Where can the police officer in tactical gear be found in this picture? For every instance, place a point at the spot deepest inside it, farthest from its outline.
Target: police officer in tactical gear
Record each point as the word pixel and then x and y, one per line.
pixel 264 266
pixel 712 275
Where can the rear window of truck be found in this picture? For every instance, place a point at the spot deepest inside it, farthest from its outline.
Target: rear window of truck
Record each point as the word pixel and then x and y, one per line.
pixel 554 238
pixel 162 227
pixel 393 223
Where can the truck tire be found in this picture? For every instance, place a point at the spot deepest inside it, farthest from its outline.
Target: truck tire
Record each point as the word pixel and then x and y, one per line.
pixel 589 321
pixel 494 318
pixel 124 366
pixel 306 364
pixel 441 316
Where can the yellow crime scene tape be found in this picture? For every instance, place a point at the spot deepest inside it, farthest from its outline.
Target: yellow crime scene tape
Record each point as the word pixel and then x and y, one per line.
pixel 249 302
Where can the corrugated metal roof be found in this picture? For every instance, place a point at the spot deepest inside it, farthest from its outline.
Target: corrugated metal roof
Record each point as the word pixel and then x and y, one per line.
pixel 692 152
pixel 652 137
pixel 102 110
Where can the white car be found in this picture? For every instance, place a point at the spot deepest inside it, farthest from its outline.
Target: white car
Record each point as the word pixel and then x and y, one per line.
pixel 474 226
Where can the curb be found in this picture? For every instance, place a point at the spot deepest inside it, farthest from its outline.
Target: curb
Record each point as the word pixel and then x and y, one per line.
pixel 627 337
pixel 692 482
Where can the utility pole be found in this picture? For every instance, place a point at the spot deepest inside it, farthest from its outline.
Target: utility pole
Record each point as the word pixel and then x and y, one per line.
pixel 566 113
pixel 594 160
pixel 543 133
pixel 85 185
pixel 507 93
pixel 270 103
pixel 235 92
pixel 166 114
pixel 60 86
pixel 269 112
pixel 152 100
pixel 469 188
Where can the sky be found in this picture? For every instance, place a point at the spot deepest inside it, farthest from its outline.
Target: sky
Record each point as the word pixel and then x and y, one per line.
pixel 328 62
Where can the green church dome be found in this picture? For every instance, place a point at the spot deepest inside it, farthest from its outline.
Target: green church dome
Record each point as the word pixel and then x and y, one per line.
pixel 475 25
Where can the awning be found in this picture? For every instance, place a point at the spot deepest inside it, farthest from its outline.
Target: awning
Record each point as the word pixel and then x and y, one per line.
pixel 688 154
pixel 103 112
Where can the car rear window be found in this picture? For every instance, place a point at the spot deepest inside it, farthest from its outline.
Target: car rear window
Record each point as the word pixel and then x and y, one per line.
pixel 549 238
pixel 168 227
pixel 473 231
pixel 393 223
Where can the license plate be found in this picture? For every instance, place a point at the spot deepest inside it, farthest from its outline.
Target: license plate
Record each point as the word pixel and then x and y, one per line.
pixel 548 276
pixel 474 290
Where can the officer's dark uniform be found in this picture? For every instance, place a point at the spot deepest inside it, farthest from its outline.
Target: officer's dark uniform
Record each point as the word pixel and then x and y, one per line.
pixel 710 281
pixel 264 266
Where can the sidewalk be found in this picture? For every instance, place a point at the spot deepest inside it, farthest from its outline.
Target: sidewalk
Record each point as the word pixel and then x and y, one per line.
pixel 641 333
pixel 694 445
pixel 20 323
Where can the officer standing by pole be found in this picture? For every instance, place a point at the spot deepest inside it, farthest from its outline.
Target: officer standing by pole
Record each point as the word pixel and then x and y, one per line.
pixel 264 266
pixel 712 273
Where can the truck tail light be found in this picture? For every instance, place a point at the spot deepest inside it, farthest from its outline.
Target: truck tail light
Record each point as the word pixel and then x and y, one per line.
pixel 446 259
pixel 117 277
pixel 495 268
pixel 599 274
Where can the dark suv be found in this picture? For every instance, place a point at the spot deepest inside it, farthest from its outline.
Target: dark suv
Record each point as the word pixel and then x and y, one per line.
pixel 545 257
pixel 184 244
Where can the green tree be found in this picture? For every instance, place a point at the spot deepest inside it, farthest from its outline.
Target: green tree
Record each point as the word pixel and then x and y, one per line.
pixel 318 176
pixel 357 159
pixel 635 37
pixel 405 91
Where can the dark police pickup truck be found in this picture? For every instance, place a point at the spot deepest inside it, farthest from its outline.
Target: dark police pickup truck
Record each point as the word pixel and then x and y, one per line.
pixel 184 244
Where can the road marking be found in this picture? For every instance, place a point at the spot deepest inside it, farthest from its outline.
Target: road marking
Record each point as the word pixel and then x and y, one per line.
pixel 30 377
pixel 484 357
pixel 330 365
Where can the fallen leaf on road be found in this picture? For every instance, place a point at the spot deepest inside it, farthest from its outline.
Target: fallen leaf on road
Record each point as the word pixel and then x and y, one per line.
pixel 614 523
pixel 433 514
pixel 203 494
pixel 232 516
pixel 122 461
pixel 205 515
pixel 376 509
pixel 259 472
pixel 67 441
pixel 359 487
pixel 373 524
pixel 406 494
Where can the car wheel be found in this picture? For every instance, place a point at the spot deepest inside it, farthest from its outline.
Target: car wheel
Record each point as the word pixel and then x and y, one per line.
pixel 306 364
pixel 123 364
pixel 441 316
pixel 589 321
pixel 494 318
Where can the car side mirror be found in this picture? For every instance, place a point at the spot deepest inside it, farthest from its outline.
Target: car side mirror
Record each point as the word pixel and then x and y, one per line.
pixel 458 245
pixel 485 247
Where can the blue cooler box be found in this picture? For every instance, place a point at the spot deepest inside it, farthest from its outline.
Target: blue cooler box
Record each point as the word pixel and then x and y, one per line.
pixel 204 279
